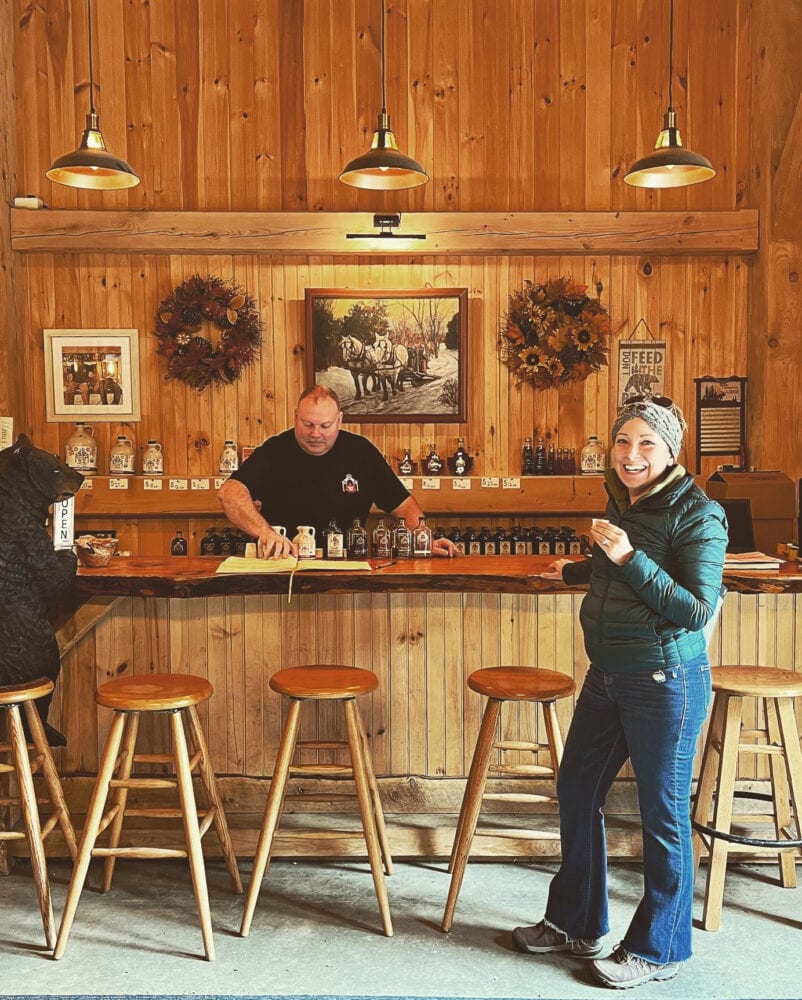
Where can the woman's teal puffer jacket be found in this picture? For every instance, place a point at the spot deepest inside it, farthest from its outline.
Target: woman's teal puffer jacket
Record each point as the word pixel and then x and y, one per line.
pixel 649 613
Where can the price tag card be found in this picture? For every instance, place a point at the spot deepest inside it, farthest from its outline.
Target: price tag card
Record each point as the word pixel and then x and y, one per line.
pixel 406 482
pixel 218 481
pixel 118 484
pixel 460 484
pixel 430 483
pixel 177 484
pixel 87 484
pixel 489 482
pixel 511 483
pixel 200 484
pixel 152 484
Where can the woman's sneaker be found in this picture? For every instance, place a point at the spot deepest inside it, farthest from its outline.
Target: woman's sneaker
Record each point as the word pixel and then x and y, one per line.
pixel 621 970
pixel 543 939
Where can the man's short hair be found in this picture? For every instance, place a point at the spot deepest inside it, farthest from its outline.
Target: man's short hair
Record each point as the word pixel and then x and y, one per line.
pixel 317 393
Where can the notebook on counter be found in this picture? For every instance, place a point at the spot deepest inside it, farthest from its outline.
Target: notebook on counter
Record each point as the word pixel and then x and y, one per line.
pixel 751 561
pixel 289 564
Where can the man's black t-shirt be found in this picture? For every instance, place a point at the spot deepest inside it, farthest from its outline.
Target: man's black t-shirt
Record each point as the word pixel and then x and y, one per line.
pixel 298 488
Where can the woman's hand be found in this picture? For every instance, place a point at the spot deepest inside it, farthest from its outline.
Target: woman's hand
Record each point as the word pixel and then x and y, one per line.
pixel 555 570
pixel 613 541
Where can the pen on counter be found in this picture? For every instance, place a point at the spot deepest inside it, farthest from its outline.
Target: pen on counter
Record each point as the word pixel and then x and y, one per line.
pixel 385 565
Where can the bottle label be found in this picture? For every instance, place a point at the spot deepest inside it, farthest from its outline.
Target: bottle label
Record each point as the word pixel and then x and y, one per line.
pixel 121 462
pixel 82 458
pixel 490 548
pixel 544 549
pixel 504 549
pixel 404 545
pixel 475 548
pixel 559 548
pixel 575 548
pixel 359 546
pixel 460 547
pixel 520 549
pixel 334 545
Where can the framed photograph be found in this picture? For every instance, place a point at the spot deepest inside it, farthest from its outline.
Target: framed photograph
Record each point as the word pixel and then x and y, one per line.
pixel 391 356
pixel 92 374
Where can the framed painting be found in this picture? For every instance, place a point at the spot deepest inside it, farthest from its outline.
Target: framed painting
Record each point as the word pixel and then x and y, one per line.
pixel 391 356
pixel 92 374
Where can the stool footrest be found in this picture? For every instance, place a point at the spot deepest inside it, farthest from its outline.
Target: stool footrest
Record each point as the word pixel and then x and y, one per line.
pixel 330 769
pixel 520 745
pixel 12 835
pixel 530 770
pixel 143 783
pixel 512 833
pixel 138 852
pixel 321 745
pixel 518 797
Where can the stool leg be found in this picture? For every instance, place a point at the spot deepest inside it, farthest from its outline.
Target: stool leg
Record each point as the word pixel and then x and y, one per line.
pixel 378 811
pixel 793 756
pixel 189 812
pixel 722 814
pixel 553 735
pixel 273 807
pixel 471 805
pixel 120 795
pixel 30 814
pixel 366 807
pixel 707 775
pixel 781 807
pixel 215 801
pixel 94 817
pixel 50 771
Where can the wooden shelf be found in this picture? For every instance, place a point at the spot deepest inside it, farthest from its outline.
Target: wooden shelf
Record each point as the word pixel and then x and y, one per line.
pixel 310 233
pixel 529 495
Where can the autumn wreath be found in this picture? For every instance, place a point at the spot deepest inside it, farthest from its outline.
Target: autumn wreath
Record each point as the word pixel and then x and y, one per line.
pixel 192 357
pixel 553 333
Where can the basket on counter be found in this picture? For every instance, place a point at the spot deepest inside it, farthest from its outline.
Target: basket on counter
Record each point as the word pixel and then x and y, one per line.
pixel 95 552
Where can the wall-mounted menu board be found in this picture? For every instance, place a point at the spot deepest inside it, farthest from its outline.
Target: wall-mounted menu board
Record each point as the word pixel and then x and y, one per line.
pixel 720 417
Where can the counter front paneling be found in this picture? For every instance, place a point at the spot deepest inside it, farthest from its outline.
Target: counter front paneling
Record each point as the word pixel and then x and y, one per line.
pixel 422 626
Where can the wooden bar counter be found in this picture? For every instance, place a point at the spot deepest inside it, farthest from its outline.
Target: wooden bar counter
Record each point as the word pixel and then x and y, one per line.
pixel 422 626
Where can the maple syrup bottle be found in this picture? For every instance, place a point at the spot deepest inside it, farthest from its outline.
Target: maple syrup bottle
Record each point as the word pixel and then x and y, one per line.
pixel 422 539
pixel 459 459
pixel 333 542
pixel 528 458
pixel 178 546
pixel 540 458
pixel 406 465
pixel 433 464
pixel 357 541
pixel 402 541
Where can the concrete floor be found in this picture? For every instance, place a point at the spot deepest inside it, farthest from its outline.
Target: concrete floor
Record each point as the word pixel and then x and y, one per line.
pixel 317 931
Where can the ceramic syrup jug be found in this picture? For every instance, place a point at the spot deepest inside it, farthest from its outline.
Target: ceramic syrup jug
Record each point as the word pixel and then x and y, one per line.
pixel 121 457
pixel 81 450
pixel 305 540
pixel 153 459
pixel 228 458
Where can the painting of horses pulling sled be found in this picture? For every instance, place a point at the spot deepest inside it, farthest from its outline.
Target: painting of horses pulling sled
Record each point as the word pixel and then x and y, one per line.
pixel 391 356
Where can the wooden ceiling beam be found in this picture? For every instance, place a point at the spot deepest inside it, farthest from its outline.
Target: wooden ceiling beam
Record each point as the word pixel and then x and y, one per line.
pixel 453 233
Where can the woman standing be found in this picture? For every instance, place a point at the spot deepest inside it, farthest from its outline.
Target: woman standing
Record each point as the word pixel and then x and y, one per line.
pixel 655 582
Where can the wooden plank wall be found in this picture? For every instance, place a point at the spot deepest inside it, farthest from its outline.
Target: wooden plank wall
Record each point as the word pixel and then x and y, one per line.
pixel 512 106
pixel 422 719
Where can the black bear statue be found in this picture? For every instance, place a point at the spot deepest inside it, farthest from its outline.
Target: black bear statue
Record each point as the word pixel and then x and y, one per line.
pixel 33 575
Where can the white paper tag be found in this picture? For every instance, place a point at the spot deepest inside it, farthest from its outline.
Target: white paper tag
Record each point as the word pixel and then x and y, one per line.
pixel 200 484
pixel 429 483
pixel 460 484
pixel 118 484
pixel 489 482
pixel 177 484
pixel 152 484
pixel 218 481
pixel 511 483
pixel 406 482
pixel 87 484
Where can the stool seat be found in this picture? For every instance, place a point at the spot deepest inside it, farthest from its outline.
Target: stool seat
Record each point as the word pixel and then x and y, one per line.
pixel 326 682
pixel 176 695
pixel 23 766
pixel 521 683
pixel 757 682
pixel 154 693
pixel 330 682
pixel 18 694
pixel 500 685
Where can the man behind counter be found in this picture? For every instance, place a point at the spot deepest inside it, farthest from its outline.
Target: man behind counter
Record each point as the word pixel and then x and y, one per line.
pixel 313 473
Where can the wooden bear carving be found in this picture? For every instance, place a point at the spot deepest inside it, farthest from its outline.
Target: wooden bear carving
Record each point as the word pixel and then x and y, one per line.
pixel 33 576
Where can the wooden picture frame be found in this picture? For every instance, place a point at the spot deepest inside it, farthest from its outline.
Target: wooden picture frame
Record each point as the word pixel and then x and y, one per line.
pixel 392 356
pixel 92 374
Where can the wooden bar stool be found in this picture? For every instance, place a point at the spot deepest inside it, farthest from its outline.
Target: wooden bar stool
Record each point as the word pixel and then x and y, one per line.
pixel 23 767
pixel 325 683
pixel 178 695
pixel 500 684
pixel 726 738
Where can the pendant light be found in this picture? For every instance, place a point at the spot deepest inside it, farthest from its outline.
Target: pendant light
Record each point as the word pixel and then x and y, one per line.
pixel 384 167
pixel 92 165
pixel 671 164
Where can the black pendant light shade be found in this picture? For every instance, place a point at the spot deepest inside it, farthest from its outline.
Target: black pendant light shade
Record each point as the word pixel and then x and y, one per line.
pixel 92 166
pixel 671 164
pixel 384 167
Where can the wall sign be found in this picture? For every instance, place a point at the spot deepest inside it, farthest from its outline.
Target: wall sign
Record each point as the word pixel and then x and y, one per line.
pixel 641 365
pixel 720 417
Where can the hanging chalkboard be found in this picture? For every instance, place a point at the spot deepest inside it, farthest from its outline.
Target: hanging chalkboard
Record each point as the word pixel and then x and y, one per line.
pixel 721 418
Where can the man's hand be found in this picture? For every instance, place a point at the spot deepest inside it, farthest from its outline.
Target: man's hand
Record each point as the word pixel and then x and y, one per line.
pixel 272 545
pixel 444 547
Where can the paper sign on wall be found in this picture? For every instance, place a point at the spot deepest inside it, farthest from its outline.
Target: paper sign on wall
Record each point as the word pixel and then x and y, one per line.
pixel 641 366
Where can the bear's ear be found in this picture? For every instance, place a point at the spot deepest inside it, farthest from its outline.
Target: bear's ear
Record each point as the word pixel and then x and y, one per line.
pixel 22 443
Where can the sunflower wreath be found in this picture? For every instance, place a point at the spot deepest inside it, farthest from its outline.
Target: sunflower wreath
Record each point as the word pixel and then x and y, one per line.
pixel 553 333
pixel 192 357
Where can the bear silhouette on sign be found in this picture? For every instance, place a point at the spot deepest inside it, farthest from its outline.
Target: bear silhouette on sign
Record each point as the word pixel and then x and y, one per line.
pixel 33 575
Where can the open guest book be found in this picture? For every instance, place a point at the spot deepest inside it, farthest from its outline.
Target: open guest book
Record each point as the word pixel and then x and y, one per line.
pixel 751 561
pixel 289 564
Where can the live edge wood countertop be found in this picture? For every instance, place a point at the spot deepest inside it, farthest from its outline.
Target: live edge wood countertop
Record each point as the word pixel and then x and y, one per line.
pixel 189 576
